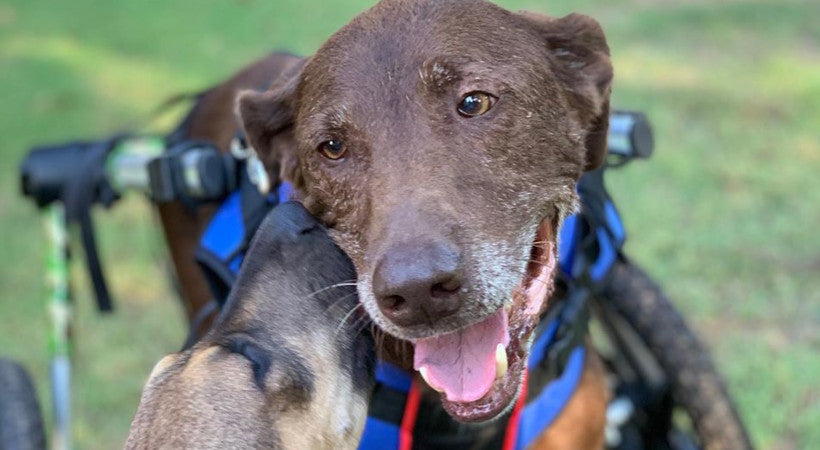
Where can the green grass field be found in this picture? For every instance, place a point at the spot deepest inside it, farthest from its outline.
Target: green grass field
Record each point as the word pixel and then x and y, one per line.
pixel 725 215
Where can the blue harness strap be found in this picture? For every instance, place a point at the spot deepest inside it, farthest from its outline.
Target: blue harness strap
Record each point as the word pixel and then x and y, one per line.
pixel 225 234
pixel 223 244
pixel 542 411
pixel 379 434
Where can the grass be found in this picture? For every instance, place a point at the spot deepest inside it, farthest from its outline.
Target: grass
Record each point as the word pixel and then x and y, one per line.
pixel 725 215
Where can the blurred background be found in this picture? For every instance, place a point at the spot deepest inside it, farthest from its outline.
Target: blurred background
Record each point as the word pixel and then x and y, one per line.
pixel 725 215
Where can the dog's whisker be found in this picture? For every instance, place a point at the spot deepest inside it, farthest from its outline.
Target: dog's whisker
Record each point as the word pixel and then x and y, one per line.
pixel 339 300
pixel 333 286
pixel 345 319
pixel 543 247
pixel 379 337
pixel 548 241
pixel 534 261
pixel 361 323
pixel 529 278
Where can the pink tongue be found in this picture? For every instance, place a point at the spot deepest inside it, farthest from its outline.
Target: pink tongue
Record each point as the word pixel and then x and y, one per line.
pixel 462 364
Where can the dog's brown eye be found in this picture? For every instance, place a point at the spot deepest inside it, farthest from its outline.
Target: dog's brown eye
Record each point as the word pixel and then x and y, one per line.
pixel 475 104
pixel 333 149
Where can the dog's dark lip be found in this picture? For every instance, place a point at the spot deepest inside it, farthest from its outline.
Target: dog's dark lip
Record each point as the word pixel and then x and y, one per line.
pixel 523 318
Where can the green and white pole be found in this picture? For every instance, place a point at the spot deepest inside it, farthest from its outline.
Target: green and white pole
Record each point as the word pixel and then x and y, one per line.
pixel 59 315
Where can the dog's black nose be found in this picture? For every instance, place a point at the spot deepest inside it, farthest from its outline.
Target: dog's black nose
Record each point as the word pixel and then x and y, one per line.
pixel 418 283
pixel 289 219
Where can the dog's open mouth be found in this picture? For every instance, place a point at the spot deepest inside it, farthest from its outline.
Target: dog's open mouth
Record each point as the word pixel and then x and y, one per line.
pixel 479 369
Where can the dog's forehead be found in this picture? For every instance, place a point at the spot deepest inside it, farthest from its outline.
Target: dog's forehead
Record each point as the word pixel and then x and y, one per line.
pixel 397 42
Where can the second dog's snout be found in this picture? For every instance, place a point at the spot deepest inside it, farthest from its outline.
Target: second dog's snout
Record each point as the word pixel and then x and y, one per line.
pixel 418 283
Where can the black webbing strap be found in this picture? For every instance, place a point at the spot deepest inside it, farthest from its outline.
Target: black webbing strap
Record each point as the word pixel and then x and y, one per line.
pixel 87 187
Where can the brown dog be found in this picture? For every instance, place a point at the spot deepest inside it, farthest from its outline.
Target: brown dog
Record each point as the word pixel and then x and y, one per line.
pixel 441 141
pixel 284 367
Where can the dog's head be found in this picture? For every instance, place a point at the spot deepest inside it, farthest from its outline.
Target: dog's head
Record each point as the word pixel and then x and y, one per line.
pixel 285 366
pixel 442 141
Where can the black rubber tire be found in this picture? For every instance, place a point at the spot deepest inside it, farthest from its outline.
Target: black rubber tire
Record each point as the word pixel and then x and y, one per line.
pixel 21 424
pixel 696 386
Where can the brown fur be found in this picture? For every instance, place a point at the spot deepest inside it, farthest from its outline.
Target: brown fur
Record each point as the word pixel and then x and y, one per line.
pixel 387 84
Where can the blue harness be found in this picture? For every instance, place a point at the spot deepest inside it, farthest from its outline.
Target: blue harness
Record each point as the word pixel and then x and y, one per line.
pixel 395 405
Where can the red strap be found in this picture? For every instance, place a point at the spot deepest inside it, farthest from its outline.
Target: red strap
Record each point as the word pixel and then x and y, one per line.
pixel 408 420
pixel 511 435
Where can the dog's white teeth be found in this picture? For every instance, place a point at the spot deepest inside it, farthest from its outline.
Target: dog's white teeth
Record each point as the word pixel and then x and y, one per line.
pixel 500 361
pixel 423 372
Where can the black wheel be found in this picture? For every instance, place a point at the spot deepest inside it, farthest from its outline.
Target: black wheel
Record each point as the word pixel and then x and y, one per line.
pixel 660 364
pixel 21 424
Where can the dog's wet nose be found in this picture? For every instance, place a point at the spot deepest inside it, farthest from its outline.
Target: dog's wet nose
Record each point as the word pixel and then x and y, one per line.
pixel 418 283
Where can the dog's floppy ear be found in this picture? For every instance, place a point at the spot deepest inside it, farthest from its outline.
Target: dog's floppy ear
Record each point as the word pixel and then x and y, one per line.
pixel 579 56
pixel 267 118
